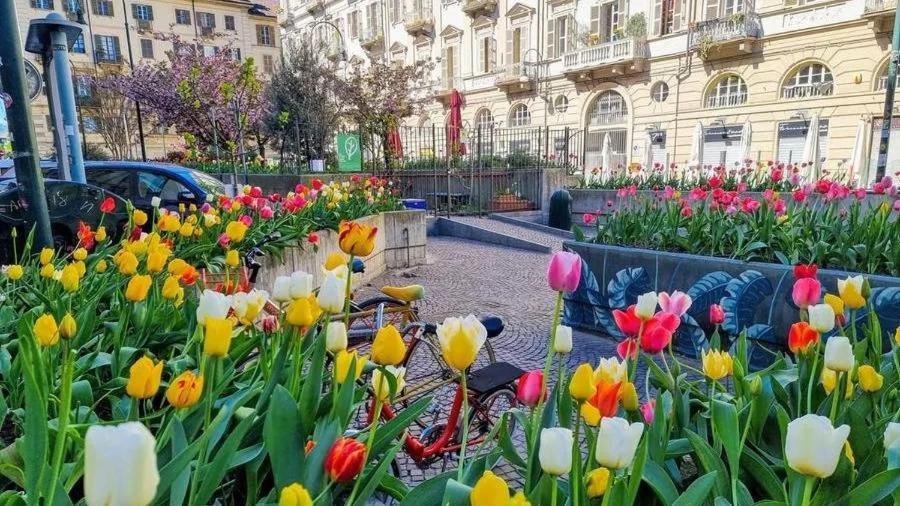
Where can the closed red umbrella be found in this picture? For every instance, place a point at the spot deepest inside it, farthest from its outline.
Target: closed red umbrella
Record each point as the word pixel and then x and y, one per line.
pixel 395 144
pixel 454 123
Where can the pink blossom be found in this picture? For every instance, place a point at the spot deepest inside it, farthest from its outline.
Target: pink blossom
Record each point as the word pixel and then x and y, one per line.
pixel 588 218
pixel 897 205
pixel 205 207
pixel 676 303
pixel 698 194
pixel 246 220
pixel 647 411
pixel 860 193
pixel 742 187
pixel 224 241
pixel 266 213
pixel 806 292
pixel 668 192
pixel 731 210
pixel 564 271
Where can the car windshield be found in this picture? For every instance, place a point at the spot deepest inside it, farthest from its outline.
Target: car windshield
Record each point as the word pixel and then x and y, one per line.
pixel 209 184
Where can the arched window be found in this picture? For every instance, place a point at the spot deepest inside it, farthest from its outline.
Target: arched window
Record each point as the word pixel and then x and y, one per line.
pixel 607 109
pixel 484 120
pixel 519 116
pixel 881 80
pixel 659 91
pixel 810 80
pixel 729 91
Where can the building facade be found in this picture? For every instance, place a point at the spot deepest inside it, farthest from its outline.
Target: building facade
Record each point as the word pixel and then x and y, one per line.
pixel 696 82
pixel 248 29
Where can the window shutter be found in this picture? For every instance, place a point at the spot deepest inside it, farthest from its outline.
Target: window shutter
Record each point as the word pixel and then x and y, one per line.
pixel 524 42
pixel 455 57
pixel 595 20
pixel 134 11
pixel 570 33
pixel 657 17
pixel 512 45
pixel 479 55
pixel 678 15
pixel 392 10
pixel 150 12
pixel 445 64
pixel 551 39
pixel 621 14
pixel 118 51
pixel 98 48
pixel 492 62
pixel 712 9
pixel 94 7
pixel 604 31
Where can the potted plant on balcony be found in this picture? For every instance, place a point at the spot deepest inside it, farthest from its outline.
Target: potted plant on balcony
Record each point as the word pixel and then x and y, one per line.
pixel 636 26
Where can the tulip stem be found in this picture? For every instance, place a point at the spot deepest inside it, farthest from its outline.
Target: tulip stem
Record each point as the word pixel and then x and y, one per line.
pixel 575 481
pixel 807 490
pixel 465 425
pixel 554 492
pixel 837 392
pixel 370 440
pixel 812 377
pixel 546 372
pixel 65 403
pixel 347 292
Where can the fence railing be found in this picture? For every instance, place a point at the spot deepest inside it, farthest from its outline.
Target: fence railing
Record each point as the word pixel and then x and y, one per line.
pixel 602 54
pixel 729 100
pixel 517 72
pixel 796 91
pixel 735 27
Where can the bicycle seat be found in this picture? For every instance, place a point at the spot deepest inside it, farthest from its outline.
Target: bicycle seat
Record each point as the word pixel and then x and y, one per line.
pixel 405 294
pixel 492 377
pixel 492 323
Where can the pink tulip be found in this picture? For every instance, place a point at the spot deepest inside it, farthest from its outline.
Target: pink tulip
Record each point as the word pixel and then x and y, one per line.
pixel 224 241
pixel 588 218
pixel 564 271
pixel 897 205
pixel 677 303
pixel 266 213
pixel 658 332
pixel 627 348
pixel 246 220
pixel 647 410
pixel 806 292
pixel 716 314
pixel 530 389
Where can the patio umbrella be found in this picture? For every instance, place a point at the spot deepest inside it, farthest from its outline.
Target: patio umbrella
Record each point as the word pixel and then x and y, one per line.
pixel 648 152
pixel 746 133
pixel 606 153
pixel 395 144
pixel 811 149
pixel 857 163
pixel 696 145
pixel 454 124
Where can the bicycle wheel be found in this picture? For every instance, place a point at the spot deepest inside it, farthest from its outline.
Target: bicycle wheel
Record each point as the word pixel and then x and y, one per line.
pixel 486 412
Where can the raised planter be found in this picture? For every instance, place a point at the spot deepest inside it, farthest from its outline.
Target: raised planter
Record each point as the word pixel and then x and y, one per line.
pixel 756 297
pixel 400 243
pixel 511 203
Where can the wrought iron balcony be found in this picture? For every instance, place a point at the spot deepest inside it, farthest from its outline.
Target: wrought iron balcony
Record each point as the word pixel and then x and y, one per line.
pixel 517 77
pixel 619 57
pixel 476 7
pixel 724 37
pixel 419 21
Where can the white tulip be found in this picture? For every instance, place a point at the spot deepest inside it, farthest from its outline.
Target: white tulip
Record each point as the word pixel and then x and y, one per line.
pixel 563 342
pixel 471 326
pixel 813 446
pixel 155 202
pixel 616 442
pixel 119 465
pixel 212 305
pixel 281 291
pixel 611 370
pixel 856 281
pixel 555 453
pixel 336 337
pixel 891 434
pixel 301 285
pixel 382 386
pixel 821 317
pixel 331 293
pixel 839 354
pixel 646 305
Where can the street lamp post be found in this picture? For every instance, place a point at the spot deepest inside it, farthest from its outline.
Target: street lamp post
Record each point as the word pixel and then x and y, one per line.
pixel 889 88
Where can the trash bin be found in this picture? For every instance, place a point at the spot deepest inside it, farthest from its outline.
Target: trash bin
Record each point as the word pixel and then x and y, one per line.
pixel 414 204
pixel 560 210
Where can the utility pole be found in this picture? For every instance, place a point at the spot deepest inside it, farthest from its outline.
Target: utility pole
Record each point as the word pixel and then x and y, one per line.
pixel 25 154
pixel 889 88
pixel 137 104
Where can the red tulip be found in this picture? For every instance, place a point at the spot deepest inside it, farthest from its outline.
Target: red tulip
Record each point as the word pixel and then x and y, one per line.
pixel 531 389
pixel 627 349
pixel 564 271
pixel 716 314
pixel 345 459
pixel 806 292
pixel 801 338
pixel 606 398
pixel 313 238
pixel 654 340
pixel 627 321
pixel 108 205
pixel 805 271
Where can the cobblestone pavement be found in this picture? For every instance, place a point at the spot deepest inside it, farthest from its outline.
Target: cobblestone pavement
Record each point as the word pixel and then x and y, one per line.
pixel 527 234
pixel 463 277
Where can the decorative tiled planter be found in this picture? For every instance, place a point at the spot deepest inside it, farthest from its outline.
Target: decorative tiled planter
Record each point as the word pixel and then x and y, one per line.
pixel 756 296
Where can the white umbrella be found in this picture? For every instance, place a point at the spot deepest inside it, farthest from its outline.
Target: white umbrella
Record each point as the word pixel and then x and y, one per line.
pixel 648 152
pixel 858 155
pixel 606 153
pixel 696 145
pixel 746 133
pixel 811 148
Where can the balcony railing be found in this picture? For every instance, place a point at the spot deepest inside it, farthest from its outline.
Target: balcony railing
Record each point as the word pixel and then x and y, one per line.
pixel 418 20
pixel 517 72
pixel 879 5
pixel 473 7
pixel 729 100
pixel 798 91
pixel 616 51
pixel 479 82
pixel 371 36
pixel 716 31
pixel 107 57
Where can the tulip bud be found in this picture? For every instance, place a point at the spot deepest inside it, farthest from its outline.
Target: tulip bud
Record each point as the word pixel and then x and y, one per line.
pixel 101 266
pixel 891 434
pixel 185 390
pixel 295 495
pixel 79 254
pixel 813 446
pixel 617 440
pixel 717 364
pixel 269 324
pixel 555 453
pixel 46 256
pixel 839 354
pixel 648 411
pixel 45 330
pixel 381 385
pixel 119 465
pixel 489 490
pixel 335 260
pixel 597 482
pixel 851 291
pixel 144 378
pixel 217 337
pixel 70 279
pixel 629 396
pixel 137 288
pixel 345 460
pixel 645 307
pixel 460 340
pixel 581 386
pixel 356 239
pixel 336 337
pixel 821 317
pixel 67 326
pixel 716 314
pixel 564 271
pixel 563 341
pixel 531 389
pixel 869 379
pixel 331 294
pixel 303 312
pixel 342 363
pixel 232 259
pixel 388 347
pixel 754 385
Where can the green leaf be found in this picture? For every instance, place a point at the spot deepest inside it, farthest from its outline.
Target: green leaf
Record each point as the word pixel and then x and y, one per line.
pixel 35 443
pixel 637 470
pixel 874 489
pixel 213 473
pixel 577 232
pixel 393 486
pixel 698 491
pixel 311 392
pixel 386 433
pixel 762 473
pixel 456 494
pixel 710 461
pixel 180 462
pixel 430 491
pixel 659 481
pixel 282 438
pixel 725 422
pixel 372 478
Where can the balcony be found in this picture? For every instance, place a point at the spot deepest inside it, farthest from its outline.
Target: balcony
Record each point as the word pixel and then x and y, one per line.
pixel 725 37
pixel 880 14
pixel 208 31
pixel 610 59
pixel 444 88
pixel 419 21
pixel 517 77
pixel 475 7
pixel 371 37
pixel 107 58
pixel 479 82
pixel 315 6
pixel 144 25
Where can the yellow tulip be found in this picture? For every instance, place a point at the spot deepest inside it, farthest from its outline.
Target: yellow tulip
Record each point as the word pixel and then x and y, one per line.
pixel 47 271
pixel 15 272
pixel 70 278
pixel 177 266
pixel 629 396
pixel 45 330
pixel 100 234
pixel 582 387
pixel 460 340
pixel 80 267
pixel 717 364
pixel 303 312
pixel 597 482
pixel 335 260
pixel 897 336
pixel 137 288
pixel 232 259
pixel 79 254
pixel 236 230
pixel 144 378
pixel 851 290
pixel 101 266
pixel 67 326
pixel 869 379
pixel 127 263
pixel 171 290
pixel 186 230
pixel 519 500
pixel 295 495
pixel 342 363
pixel 611 370
pixel 388 347
pixel 590 414
pixel 169 222
pixel 356 239
pixel 156 260
pixel 489 490
pixel 139 217
pixel 829 382
pixel 217 339
pixel 185 390
pixel 46 256
pixel 381 386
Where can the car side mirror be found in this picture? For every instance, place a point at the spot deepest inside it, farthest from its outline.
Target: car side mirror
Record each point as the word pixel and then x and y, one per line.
pixel 186 195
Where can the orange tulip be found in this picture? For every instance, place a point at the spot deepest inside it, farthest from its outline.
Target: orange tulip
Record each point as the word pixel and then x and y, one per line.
pixel 345 459
pixel 801 338
pixel 606 398
pixel 357 240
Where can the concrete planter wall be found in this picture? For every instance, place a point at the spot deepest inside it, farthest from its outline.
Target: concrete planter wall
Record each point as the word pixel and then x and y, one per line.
pixel 400 243
pixel 755 296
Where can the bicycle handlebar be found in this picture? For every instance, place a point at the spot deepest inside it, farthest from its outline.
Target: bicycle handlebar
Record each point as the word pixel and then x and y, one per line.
pixel 254 251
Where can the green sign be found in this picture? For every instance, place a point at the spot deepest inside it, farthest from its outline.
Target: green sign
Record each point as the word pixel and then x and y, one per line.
pixel 349 152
